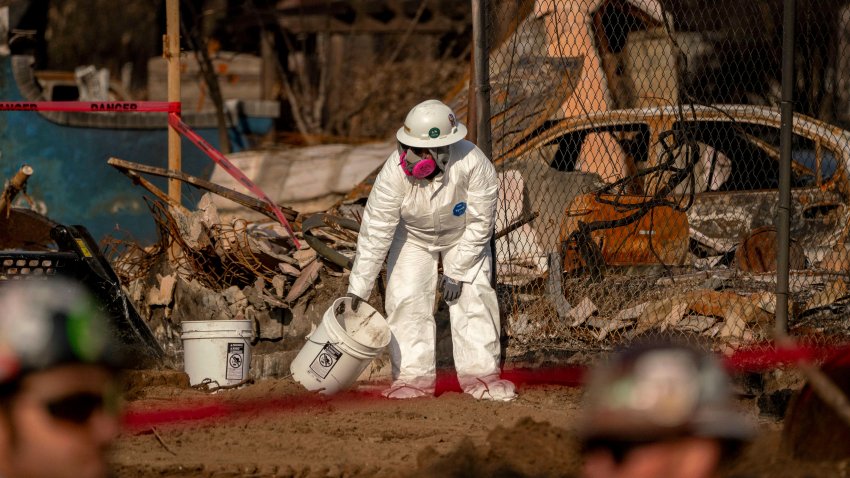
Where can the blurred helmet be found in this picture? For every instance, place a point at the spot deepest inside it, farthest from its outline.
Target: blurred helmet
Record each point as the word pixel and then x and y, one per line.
pixel 658 391
pixel 45 323
pixel 430 124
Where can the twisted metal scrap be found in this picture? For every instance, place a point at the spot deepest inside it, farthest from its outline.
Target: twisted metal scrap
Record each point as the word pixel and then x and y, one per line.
pixel 129 260
pixel 228 260
pixel 340 226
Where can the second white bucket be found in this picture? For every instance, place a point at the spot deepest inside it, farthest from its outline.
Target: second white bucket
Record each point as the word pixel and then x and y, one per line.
pixel 217 351
pixel 340 348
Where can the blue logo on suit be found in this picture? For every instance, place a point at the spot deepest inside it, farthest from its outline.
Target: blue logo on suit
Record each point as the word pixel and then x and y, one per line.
pixel 459 209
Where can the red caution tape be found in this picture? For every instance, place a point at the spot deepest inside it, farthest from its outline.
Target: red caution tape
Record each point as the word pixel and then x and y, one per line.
pixel 93 106
pixel 767 356
pixel 178 124
pixel 756 358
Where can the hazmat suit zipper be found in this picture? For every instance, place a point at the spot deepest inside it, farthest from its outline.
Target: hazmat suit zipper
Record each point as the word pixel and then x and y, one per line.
pixel 435 214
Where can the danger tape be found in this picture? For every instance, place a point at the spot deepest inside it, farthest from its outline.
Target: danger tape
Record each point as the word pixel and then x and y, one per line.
pixel 175 122
pixel 93 106
pixel 173 110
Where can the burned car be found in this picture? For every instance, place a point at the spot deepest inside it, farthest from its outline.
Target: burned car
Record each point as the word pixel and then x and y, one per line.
pixel 679 185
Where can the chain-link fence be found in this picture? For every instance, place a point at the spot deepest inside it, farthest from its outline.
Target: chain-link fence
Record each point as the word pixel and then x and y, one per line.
pixel 638 148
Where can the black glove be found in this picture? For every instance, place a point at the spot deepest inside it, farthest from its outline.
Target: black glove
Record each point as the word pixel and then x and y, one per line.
pixel 355 303
pixel 451 288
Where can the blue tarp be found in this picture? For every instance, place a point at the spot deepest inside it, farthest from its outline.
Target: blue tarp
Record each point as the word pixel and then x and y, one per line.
pixel 71 176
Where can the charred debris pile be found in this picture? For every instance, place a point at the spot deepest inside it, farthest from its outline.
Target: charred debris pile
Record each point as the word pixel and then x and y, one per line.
pixel 206 267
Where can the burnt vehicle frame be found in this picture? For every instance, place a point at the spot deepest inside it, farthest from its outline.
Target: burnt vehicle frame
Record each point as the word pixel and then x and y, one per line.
pixel 731 188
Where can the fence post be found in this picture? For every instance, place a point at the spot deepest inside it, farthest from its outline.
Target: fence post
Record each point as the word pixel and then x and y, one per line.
pixel 481 59
pixel 783 221
pixel 482 76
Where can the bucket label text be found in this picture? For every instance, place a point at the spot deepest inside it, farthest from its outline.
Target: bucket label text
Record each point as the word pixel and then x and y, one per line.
pixel 235 361
pixel 325 360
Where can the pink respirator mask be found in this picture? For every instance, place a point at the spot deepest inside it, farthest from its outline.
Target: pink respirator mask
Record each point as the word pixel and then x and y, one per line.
pixel 414 165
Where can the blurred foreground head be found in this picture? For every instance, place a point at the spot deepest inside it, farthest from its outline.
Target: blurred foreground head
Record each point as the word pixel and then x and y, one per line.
pixel 660 409
pixel 58 401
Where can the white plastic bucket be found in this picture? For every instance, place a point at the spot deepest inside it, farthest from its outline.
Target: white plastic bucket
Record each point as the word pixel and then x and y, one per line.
pixel 340 348
pixel 216 351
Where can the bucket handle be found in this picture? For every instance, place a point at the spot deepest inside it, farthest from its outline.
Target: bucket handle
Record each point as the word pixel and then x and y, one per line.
pixel 323 343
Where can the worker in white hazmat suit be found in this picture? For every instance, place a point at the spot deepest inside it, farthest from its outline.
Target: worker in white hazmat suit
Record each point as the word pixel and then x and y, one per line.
pixel 434 198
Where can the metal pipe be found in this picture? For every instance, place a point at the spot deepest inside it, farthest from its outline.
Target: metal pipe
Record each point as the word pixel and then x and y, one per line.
pixel 481 80
pixel 783 225
pixel 481 55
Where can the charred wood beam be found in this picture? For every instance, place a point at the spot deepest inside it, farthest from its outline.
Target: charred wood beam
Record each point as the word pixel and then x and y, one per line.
pixel 235 196
pixel 15 185
pixel 516 225
pixel 159 193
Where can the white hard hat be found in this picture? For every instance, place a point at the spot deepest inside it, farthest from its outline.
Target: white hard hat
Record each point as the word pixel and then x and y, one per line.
pixel 46 323
pixel 431 124
pixel 661 389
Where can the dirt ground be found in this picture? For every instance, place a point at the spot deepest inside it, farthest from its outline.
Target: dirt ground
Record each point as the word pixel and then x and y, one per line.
pixel 275 428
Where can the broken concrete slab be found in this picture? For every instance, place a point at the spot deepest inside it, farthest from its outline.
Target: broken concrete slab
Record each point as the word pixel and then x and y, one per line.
pixel 193 301
pixel 289 269
pixel 166 289
pixel 739 313
pixel 677 311
pixel 713 330
pixel 734 326
pixel 631 313
pixel 207 211
pixel 605 326
pixel 152 298
pixel 255 293
pixel 579 314
pixel 833 291
pixel 191 229
pixel 305 317
pixel 234 296
pixel 519 326
pixel 268 324
pixel 308 275
pixel 652 314
pixel 279 285
pixel 304 257
pixel 696 323
pixel 766 300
